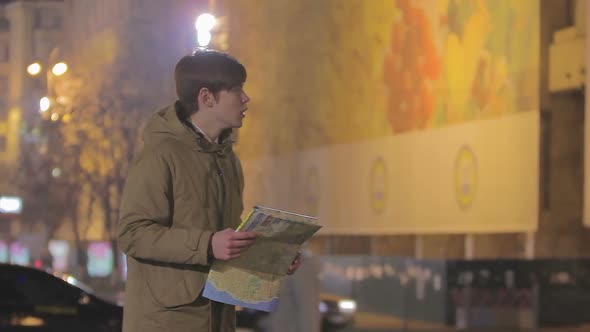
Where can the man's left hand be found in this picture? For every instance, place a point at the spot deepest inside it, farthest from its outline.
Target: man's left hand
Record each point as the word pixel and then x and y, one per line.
pixel 296 263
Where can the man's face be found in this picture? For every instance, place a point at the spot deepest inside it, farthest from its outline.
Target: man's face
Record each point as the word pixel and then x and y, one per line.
pixel 231 107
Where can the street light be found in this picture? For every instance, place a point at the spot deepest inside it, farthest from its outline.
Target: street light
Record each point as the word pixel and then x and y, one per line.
pixel 204 24
pixel 59 68
pixel 34 69
pixel 44 104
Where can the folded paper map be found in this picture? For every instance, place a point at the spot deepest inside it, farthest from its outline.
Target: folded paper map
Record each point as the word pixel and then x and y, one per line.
pixel 253 280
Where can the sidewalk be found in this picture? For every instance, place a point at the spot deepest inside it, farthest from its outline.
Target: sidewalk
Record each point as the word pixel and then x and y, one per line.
pixel 372 321
pixel 365 321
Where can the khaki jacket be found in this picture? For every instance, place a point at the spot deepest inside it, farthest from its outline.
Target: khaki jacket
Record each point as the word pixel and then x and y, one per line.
pixel 179 191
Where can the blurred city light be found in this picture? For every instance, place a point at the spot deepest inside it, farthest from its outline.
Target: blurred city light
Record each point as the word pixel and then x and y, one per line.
pixel 66 118
pixel 34 69
pixel 62 100
pixel 203 38
pixel 44 104
pixel 10 204
pixel 54 117
pixel 56 172
pixel 204 24
pixel 347 306
pixel 59 68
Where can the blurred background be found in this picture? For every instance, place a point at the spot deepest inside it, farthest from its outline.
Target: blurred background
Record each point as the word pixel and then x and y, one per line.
pixel 441 143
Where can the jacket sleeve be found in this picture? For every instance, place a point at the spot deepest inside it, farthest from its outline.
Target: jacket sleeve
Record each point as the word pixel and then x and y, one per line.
pixel 144 229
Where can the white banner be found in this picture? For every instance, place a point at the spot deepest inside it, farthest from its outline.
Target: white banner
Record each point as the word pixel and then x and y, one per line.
pixel 477 177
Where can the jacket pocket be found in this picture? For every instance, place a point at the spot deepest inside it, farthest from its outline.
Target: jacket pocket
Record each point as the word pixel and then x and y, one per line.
pixel 172 285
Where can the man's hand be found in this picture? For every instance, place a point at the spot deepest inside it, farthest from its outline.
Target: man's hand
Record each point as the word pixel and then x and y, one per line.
pixel 227 244
pixel 296 263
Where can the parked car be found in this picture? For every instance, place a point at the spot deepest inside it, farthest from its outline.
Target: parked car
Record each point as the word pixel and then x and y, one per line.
pixel 33 300
pixel 336 313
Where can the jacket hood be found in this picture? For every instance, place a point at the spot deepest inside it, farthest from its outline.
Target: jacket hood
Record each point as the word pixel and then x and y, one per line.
pixel 166 124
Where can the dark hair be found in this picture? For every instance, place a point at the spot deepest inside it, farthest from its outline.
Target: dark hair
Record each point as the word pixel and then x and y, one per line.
pixel 209 69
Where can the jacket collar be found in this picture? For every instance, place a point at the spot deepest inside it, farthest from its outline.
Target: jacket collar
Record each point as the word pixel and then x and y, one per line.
pixel 225 141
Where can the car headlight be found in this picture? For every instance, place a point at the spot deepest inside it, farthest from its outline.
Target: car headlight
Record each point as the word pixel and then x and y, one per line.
pixel 347 306
pixel 323 307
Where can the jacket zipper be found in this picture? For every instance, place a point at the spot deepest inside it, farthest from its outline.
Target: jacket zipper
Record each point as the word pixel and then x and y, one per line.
pixel 223 190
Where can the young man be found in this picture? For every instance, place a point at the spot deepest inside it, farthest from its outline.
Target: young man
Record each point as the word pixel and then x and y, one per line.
pixel 183 200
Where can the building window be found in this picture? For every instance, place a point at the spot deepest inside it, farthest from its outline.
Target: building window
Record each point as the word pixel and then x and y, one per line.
pixel 36 84
pixel 4 24
pixel 4 52
pixel 42 48
pixel 3 110
pixel 2 143
pixel 47 19
pixel 3 86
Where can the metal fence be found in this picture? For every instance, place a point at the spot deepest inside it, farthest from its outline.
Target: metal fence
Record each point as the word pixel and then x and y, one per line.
pixel 502 295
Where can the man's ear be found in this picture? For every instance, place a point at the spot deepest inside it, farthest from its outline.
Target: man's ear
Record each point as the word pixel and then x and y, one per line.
pixel 206 97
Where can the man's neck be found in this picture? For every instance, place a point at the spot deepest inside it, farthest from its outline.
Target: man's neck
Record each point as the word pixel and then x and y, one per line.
pixel 206 128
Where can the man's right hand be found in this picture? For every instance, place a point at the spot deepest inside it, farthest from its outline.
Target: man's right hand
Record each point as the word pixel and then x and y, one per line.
pixel 228 244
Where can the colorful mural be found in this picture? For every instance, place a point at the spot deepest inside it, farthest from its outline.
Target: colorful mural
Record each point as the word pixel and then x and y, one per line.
pixel 461 60
pixel 358 70
pixel 411 68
